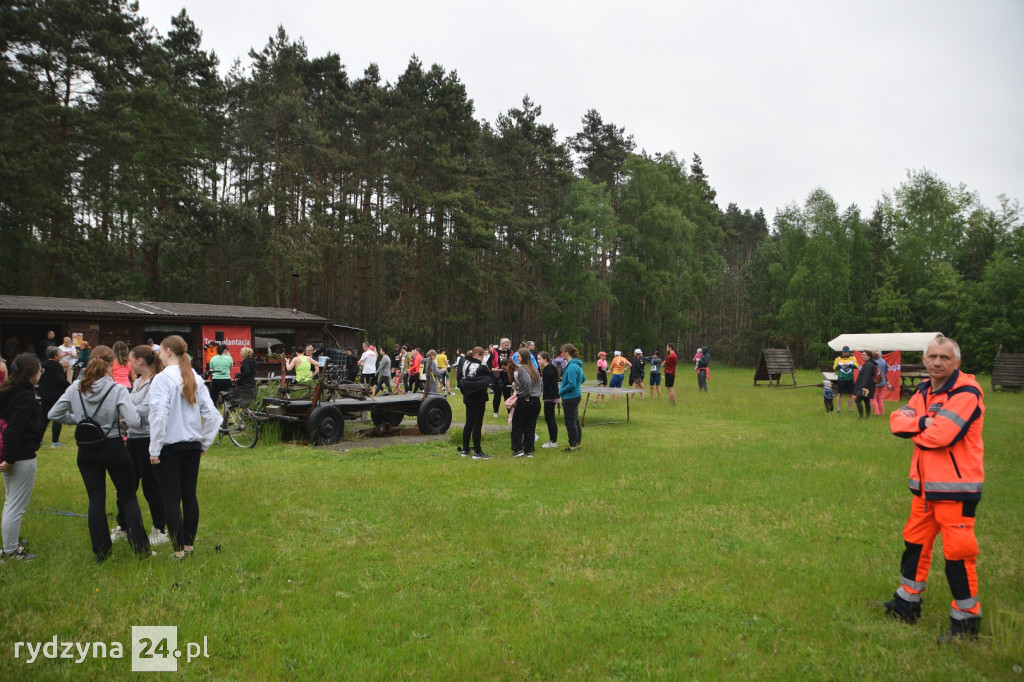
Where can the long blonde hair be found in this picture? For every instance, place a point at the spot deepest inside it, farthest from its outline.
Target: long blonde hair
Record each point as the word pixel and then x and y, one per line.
pixel 177 346
pixel 100 362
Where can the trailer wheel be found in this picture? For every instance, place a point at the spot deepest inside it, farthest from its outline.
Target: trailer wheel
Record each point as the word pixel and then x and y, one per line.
pixel 434 416
pixel 325 425
pixel 394 419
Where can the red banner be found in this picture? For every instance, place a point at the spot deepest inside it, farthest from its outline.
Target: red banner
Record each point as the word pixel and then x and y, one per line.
pixel 236 337
pixel 891 392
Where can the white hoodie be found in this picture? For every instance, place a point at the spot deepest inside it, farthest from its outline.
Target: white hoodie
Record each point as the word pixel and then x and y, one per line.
pixel 173 420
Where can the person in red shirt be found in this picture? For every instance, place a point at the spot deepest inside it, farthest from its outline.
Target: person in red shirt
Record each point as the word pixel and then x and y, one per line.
pixel 414 370
pixel 668 368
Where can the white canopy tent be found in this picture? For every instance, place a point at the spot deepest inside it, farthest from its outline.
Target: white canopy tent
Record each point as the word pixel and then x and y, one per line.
pixel 910 341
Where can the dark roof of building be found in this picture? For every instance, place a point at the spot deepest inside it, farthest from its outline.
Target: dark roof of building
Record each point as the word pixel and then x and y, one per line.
pixel 155 310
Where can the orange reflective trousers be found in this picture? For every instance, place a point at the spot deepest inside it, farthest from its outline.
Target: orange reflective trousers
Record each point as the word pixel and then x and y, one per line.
pixel 954 520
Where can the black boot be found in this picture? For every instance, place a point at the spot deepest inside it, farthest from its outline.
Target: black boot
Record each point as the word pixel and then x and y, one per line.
pixel 961 631
pixel 901 609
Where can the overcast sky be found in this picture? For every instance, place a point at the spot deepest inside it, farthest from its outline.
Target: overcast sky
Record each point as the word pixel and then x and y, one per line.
pixel 776 97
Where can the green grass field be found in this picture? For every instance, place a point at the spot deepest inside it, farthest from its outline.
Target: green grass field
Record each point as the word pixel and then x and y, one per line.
pixel 741 534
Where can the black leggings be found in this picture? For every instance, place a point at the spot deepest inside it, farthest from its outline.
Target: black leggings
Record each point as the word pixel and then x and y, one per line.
pixel 55 433
pixel 138 451
pixel 571 410
pixel 178 473
pixel 474 424
pixel 95 463
pixel 549 417
pixel 524 424
pixel 863 405
pixel 384 382
pixel 219 386
pixel 500 396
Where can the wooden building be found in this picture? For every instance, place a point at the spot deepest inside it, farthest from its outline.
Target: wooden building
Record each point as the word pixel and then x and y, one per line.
pixel 25 321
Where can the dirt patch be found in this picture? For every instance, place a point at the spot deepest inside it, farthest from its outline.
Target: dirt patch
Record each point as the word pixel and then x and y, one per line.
pixel 372 439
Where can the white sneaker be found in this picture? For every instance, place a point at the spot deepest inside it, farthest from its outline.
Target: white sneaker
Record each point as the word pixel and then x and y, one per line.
pixel 536 438
pixel 56 444
pixel 118 534
pixel 158 537
pixel 495 415
pixel 549 444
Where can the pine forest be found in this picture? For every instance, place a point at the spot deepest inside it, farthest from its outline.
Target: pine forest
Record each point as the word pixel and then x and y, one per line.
pixel 131 169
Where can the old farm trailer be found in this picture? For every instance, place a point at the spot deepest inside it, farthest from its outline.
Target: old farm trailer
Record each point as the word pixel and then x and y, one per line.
pixel 327 404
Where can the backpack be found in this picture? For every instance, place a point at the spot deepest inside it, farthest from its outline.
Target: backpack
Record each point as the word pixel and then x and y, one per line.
pixel 88 432
pixel 878 375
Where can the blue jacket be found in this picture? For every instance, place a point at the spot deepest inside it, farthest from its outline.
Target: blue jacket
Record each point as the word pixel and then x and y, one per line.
pixel 572 379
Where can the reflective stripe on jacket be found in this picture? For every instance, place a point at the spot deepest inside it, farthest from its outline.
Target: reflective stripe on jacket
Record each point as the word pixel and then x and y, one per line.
pixel 948 462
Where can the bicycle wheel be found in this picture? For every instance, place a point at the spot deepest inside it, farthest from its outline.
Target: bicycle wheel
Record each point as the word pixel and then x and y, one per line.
pixel 242 427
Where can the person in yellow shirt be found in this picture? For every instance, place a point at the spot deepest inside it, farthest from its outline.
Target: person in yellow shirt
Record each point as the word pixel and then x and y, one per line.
pixel 843 367
pixel 442 366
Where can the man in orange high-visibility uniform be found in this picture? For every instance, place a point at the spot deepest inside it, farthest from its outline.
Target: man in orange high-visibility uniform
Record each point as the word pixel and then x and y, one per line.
pixel 944 420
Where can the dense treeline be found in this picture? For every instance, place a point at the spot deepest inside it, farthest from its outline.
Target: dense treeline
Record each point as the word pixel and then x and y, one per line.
pixel 130 169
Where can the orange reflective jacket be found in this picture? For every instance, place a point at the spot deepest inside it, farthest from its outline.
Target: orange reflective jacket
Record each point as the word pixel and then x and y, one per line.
pixel 949 455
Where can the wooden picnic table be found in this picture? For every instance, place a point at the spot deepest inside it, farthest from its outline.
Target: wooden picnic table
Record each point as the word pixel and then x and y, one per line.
pixel 910 376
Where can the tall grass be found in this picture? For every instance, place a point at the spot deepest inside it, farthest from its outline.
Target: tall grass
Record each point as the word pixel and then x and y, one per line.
pixel 740 534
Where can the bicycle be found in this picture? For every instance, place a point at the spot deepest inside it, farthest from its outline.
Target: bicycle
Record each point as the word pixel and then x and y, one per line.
pixel 238 421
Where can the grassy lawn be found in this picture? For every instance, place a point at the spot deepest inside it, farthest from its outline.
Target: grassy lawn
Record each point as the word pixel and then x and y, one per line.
pixel 740 534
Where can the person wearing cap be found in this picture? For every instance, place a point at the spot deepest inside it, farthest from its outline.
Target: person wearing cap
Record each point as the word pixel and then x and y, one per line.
pixel 843 367
pixel 618 367
pixel 636 371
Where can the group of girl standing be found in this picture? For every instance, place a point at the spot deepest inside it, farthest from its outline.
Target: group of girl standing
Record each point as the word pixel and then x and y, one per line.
pixel 171 422
pixel 531 386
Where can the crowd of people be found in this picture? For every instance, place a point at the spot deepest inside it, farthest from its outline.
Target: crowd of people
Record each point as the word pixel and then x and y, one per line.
pixel 862 384
pixel 152 431
pixel 171 421
pixel 144 416
pixel 526 382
